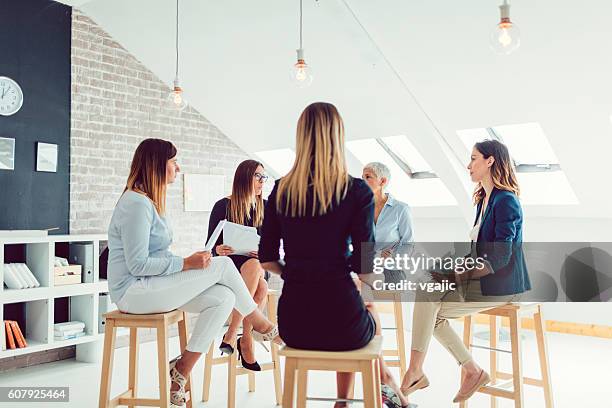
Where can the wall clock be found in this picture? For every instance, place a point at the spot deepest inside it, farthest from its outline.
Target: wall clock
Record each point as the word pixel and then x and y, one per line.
pixel 11 96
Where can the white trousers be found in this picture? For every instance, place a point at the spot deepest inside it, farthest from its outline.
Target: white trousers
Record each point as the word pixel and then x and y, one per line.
pixel 212 292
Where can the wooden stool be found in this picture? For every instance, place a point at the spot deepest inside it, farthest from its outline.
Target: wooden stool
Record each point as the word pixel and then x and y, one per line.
pixel 363 360
pixel 235 369
pixel 513 312
pixel 160 322
pixel 400 340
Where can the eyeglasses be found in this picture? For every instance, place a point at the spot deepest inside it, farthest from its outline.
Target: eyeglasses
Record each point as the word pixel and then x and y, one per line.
pixel 262 178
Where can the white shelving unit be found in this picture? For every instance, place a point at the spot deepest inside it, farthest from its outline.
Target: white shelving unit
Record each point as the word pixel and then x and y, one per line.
pixel 40 302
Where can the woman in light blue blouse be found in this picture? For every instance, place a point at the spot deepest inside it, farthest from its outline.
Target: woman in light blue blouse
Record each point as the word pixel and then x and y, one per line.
pixel 392 219
pixel 145 277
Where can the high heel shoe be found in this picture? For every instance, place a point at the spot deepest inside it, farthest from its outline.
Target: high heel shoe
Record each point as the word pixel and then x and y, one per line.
pixel 271 335
pixel 226 348
pixel 249 366
pixel 177 397
pixel 391 400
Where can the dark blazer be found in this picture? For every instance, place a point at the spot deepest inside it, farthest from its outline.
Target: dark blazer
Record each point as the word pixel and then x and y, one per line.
pixel 500 240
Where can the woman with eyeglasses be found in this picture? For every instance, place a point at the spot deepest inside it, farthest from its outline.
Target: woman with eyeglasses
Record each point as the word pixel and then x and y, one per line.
pixel 244 206
pixel 317 209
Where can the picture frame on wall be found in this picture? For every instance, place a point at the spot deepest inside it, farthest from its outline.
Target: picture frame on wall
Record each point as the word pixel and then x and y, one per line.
pixel 7 153
pixel 46 157
pixel 201 191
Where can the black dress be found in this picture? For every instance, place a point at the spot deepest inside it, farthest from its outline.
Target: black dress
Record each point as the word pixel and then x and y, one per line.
pixel 320 307
pixel 219 213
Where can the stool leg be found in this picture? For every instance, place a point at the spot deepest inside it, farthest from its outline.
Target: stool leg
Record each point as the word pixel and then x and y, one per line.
pixel 251 382
pixel 399 333
pixel 302 385
pixel 493 356
pixel 182 331
pixel 517 370
pixel 278 386
pixel 232 361
pixel 289 384
pixel 467 340
pixel 162 365
pixel 369 387
pixel 133 364
pixel 543 352
pixel 107 363
pixel 377 383
pixel 207 373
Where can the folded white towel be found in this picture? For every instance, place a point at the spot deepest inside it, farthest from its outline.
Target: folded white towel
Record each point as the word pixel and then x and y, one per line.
pixel 66 326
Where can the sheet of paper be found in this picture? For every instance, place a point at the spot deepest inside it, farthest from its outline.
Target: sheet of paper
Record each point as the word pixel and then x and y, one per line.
pixel 215 235
pixel 241 238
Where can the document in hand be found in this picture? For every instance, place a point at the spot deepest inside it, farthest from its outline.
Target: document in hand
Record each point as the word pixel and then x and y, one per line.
pixel 241 238
pixel 215 235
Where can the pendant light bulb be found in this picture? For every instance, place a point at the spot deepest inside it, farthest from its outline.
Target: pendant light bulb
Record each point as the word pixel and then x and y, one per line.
pixel 301 73
pixel 506 36
pixel 176 98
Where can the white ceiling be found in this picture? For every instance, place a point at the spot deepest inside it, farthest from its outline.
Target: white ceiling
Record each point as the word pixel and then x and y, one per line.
pixel 370 57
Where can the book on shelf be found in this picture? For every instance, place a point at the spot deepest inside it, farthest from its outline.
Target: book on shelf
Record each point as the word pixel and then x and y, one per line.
pixel 19 276
pixel 9 335
pixel 14 336
pixel 21 341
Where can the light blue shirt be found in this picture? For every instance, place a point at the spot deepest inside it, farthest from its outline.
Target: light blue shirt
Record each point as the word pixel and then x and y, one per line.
pixel 394 225
pixel 138 242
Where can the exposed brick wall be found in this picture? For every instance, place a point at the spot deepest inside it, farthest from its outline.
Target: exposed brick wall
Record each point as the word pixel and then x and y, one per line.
pixel 117 102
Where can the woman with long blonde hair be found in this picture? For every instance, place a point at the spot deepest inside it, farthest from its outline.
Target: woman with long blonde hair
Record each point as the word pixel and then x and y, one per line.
pixel 498 278
pixel 317 209
pixel 245 206
pixel 145 277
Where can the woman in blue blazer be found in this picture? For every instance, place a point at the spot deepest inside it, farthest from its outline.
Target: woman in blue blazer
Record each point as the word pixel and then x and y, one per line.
pixel 498 277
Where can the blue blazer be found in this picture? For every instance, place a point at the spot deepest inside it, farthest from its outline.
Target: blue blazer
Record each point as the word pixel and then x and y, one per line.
pixel 500 240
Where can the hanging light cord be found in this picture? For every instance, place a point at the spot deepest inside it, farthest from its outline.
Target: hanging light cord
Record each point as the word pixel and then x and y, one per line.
pixel 177 38
pixel 300 24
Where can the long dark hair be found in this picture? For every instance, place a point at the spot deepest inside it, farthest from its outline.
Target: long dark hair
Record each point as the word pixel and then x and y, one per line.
pixel 148 171
pixel 241 200
pixel 502 170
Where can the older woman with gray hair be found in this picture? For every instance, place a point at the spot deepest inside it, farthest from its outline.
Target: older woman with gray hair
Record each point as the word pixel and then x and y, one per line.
pixel 392 219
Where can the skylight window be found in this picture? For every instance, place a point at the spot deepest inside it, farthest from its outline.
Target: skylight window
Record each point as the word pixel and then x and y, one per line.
pixel 416 192
pixel 538 170
pixel 278 161
pixel 406 151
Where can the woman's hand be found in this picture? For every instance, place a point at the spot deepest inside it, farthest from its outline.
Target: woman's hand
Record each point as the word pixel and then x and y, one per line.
pixel 386 253
pixel 224 250
pixel 199 260
pixel 254 254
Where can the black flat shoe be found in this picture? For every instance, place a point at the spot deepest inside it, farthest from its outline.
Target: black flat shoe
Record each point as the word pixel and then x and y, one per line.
pixel 249 366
